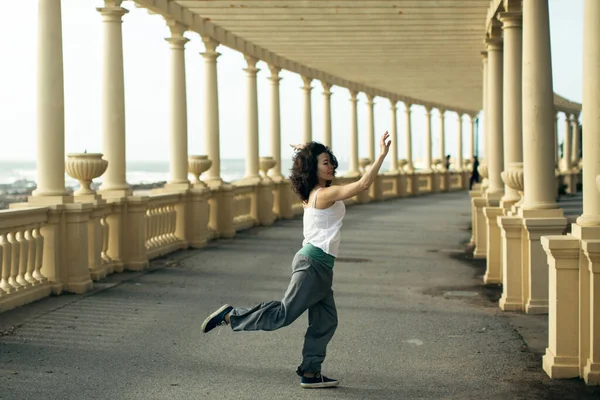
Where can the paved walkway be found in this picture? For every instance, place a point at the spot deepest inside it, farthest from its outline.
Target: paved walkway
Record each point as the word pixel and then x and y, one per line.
pixel 415 322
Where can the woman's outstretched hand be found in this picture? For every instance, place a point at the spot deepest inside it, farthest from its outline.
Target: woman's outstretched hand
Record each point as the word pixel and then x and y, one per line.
pixel 384 144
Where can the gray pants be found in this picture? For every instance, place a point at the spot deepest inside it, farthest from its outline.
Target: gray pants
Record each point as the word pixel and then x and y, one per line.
pixel 309 289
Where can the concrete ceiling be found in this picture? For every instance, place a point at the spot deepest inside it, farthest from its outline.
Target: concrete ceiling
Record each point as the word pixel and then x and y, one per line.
pixel 418 51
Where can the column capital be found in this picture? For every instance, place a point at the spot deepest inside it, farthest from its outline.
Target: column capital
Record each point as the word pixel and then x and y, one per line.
pixel 370 99
pixel 407 107
pixel 274 78
pixel 512 19
pixel 573 118
pixel 326 88
pixel 251 61
pixel 353 95
pixel 494 44
pixel 112 10
pixel 210 44
pixel 307 81
pixel 484 55
pixel 177 42
pixel 393 104
pixel 177 29
pixel 442 111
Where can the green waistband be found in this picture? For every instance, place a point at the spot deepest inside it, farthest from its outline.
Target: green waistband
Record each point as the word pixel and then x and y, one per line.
pixel 318 254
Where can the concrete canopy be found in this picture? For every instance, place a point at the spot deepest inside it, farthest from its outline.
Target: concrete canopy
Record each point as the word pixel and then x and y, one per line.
pixel 424 52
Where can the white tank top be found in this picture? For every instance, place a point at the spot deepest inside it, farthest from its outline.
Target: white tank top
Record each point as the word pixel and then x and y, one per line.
pixel 322 227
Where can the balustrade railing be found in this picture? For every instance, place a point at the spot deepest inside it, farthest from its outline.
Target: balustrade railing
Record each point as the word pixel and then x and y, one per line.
pixel 21 255
pixel 161 225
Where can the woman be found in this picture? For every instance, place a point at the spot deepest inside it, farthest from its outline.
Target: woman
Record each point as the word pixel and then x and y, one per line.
pixel 312 268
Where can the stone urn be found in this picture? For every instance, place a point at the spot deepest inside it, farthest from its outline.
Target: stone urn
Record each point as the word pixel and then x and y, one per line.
pixel 264 165
pixel 363 163
pixel 437 164
pixel 197 165
pixel 467 165
pixel 513 178
pixel 402 164
pixel 85 167
pixel 483 170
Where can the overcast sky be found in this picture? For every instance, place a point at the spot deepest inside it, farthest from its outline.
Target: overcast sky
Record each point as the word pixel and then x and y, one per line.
pixel 147 87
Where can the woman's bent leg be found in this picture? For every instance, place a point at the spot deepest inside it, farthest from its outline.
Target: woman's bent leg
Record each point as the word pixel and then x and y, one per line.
pixel 322 323
pixel 304 290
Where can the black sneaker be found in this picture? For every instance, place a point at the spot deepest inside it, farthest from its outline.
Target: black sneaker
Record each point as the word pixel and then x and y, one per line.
pixel 217 318
pixel 318 381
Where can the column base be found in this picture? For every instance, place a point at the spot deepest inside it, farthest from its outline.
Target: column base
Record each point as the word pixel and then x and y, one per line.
pixel 510 304
pixel 536 306
pixel 49 200
pixel 591 373
pixel 560 367
pixel 115 193
pixel 79 287
pixel 137 265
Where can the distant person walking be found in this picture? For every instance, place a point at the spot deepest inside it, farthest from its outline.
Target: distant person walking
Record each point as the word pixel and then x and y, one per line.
pixel 311 282
pixel 474 173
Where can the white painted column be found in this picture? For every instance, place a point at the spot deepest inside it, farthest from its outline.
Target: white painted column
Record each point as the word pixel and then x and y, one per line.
pixel 459 143
pixel 408 114
pixel 50 102
pixel 556 143
pixel 427 166
pixel 495 146
pixel 275 121
pixel 251 121
pixel 211 114
pixel 353 167
pixel 484 127
pixel 307 111
pixel 370 128
pixel 472 150
pixel 591 114
pixel 113 100
pixel 327 139
pixel 512 96
pixel 575 147
pixel 567 145
pixel 393 137
pixel 442 150
pixel 538 109
pixel 179 129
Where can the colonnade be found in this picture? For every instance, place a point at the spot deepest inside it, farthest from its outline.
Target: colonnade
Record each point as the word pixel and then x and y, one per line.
pixel 51 187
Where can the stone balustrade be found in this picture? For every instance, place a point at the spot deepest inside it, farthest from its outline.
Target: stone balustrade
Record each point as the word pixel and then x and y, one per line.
pixel 22 277
pixel 110 234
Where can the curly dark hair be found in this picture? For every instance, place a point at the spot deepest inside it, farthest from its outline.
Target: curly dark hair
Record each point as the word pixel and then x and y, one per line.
pixel 305 165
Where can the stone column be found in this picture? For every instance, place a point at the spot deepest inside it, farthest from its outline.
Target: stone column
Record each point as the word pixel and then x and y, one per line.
pixel 575 148
pixel 495 146
pixel 353 167
pixel 484 61
pixel 591 112
pixel 307 111
pixel 211 114
pixel 393 137
pixel 472 149
pixel 512 97
pixel 327 140
pixel 567 145
pixel 50 104
pixel 442 152
pixel 409 160
pixel 556 144
pixel 251 121
pixel 275 121
pixel 459 142
pixel 113 101
pixel 370 127
pixel 540 212
pixel 179 128
pixel 427 166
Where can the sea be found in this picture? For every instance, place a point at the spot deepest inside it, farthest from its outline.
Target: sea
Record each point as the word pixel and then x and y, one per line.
pixel 24 173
